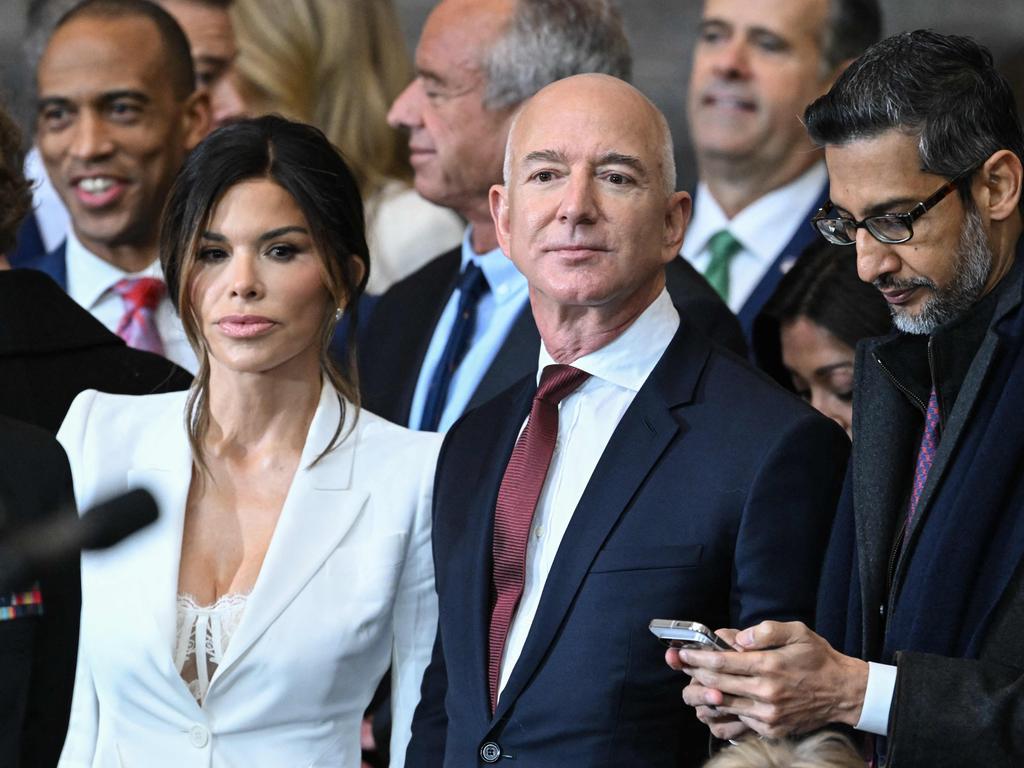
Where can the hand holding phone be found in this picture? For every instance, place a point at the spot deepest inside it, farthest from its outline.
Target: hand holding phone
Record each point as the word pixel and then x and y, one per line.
pixel 687 634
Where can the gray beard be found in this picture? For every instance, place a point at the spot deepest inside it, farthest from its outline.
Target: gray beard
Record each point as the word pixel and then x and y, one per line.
pixel 973 265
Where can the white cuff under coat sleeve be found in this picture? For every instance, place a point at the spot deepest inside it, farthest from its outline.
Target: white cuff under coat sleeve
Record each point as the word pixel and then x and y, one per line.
pixel 874 717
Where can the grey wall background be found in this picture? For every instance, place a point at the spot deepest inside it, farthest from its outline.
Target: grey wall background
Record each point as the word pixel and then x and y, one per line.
pixel 662 34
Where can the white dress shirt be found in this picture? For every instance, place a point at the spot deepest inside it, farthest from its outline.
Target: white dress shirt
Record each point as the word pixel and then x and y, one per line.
pixel 586 420
pixel 90 280
pixel 496 311
pixel 874 716
pixel 763 228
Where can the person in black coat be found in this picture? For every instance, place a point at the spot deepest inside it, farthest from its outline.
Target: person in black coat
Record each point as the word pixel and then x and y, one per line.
pixel 39 618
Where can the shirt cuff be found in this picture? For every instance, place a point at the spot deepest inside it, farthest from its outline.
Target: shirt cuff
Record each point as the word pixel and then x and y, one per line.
pixel 874 716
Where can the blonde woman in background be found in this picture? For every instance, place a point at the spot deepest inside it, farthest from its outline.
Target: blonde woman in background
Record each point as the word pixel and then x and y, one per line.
pixel 338 65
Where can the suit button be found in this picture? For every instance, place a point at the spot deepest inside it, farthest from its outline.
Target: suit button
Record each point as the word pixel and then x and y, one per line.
pixel 490 752
pixel 198 736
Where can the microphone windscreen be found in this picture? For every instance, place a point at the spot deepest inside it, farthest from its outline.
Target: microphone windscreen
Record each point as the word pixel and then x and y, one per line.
pixel 108 523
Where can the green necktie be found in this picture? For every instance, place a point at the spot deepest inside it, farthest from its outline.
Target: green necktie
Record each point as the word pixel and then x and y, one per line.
pixel 723 246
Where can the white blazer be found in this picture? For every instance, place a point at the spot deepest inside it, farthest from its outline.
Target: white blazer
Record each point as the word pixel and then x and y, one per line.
pixel 347 588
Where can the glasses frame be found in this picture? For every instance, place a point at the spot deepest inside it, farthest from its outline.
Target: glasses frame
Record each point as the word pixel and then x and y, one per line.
pixel 907 218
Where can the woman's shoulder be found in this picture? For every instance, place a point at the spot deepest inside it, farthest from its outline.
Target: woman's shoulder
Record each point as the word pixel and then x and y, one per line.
pixel 95 401
pixel 377 433
pixel 93 410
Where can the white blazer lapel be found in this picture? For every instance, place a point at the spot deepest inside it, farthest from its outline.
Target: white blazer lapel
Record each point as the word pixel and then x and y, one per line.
pixel 164 468
pixel 319 510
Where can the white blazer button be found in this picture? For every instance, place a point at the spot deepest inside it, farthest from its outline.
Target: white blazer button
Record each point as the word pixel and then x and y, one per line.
pixel 198 736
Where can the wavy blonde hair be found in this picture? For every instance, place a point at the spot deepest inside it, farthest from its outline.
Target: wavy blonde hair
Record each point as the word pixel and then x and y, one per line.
pixel 823 750
pixel 335 64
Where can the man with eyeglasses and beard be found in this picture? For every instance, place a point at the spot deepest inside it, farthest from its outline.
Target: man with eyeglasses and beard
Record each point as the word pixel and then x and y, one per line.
pixel 921 606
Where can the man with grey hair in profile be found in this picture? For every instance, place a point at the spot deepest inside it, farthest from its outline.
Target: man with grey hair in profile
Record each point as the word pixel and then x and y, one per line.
pixel 458 331
pixel 756 65
pixel 637 471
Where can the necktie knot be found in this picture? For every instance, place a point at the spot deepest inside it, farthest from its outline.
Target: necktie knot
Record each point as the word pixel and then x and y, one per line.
pixel 141 296
pixel 140 292
pixel 472 284
pixel 559 381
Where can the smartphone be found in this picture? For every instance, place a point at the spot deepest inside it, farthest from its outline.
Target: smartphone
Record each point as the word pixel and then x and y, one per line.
pixel 687 634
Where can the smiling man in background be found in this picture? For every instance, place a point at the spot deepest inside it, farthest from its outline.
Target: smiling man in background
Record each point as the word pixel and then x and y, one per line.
pixel 756 65
pixel 117 114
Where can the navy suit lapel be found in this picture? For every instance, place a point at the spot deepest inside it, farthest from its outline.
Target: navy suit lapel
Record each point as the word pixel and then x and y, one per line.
pixel 646 430
pixel 803 237
pixel 53 264
pixel 470 602
pixel 398 333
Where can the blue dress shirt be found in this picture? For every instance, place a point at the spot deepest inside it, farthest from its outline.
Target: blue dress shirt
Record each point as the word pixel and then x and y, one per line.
pixel 497 311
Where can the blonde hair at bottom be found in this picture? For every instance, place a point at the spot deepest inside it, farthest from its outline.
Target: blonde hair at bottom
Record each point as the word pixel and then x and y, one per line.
pixel 823 750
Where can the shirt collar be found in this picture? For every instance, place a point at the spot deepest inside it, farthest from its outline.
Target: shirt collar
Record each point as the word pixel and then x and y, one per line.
pixel 90 277
pixel 628 361
pixel 757 226
pixel 505 281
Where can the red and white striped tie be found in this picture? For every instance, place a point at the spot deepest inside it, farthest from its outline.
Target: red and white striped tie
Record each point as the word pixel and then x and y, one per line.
pixel 141 296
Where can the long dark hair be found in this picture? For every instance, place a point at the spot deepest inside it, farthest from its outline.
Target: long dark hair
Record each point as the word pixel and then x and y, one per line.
pixel 822 286
pixel 302 161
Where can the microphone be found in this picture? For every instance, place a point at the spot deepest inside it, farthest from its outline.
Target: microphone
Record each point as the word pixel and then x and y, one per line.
pixel 50 542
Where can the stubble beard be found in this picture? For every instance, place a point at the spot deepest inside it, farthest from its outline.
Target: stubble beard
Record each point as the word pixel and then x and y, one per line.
pixel 973 259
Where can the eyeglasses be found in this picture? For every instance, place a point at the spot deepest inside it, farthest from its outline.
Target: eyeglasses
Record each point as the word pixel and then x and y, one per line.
pixel 891 228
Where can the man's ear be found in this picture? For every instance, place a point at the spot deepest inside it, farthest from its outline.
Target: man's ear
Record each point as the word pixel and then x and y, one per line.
pixel 998 186
pixel 498 198
pixel 677 216
pixel 197 118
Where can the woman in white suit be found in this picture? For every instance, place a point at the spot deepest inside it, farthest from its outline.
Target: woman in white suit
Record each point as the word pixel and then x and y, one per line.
pixel 291 563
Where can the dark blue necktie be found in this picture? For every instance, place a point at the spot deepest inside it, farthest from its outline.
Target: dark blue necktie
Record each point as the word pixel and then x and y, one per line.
pixel 472 285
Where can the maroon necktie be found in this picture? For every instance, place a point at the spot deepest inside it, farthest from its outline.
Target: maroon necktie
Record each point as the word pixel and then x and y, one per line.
pixel 517 499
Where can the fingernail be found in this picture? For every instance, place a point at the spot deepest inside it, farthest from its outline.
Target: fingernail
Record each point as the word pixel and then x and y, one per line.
pixel 684 656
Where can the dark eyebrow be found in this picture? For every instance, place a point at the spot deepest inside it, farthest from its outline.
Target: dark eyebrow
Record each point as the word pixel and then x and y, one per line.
pixel 617 158
pixel 292 228
pixel 52 101
pixel 891 205
pixel 268 235
pixel 546 156
pixel 126 93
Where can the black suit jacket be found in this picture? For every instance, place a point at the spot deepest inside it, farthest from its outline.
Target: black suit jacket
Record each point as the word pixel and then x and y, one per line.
pixel 392 350
pixel 51 349
pixel 712 502
pixel 37 653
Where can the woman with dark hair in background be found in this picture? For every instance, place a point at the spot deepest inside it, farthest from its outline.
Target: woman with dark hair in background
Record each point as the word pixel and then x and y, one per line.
pixel 806 334
pixel 291 563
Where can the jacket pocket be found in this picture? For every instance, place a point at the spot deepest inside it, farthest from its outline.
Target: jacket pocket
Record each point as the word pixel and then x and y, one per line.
pixel 646 558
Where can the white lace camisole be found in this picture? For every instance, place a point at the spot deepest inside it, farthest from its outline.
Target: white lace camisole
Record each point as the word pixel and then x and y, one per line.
pixel 203 634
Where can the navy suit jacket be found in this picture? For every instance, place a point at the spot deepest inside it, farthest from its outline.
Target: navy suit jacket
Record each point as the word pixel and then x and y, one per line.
pixel 712 502
pixel 392 349
pixel 52 263
pixel 803 237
